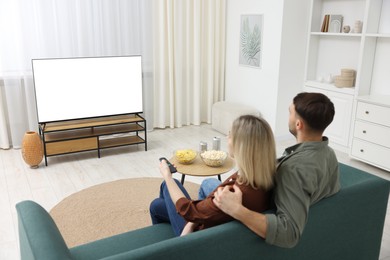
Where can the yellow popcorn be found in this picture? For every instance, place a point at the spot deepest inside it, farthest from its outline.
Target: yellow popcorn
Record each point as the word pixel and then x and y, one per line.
pixel 185 156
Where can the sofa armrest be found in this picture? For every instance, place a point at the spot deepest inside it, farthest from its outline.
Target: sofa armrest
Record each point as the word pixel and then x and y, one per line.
pixel 38 234
pixel 348 225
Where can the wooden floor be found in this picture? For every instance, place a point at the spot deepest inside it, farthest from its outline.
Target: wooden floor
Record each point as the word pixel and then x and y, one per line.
pixel 71 173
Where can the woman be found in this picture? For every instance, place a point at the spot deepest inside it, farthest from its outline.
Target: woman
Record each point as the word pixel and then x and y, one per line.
pixel 251 144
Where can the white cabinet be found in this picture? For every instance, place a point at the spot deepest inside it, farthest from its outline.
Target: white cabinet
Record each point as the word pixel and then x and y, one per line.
pixel 338 131
pixel 368 53
pixel 371 135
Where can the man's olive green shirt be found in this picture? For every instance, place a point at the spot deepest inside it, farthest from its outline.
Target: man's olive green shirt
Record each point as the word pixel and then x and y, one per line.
pixel 306 173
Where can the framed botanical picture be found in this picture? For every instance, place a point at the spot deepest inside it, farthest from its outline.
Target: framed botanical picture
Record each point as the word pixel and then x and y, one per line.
pixel 251 34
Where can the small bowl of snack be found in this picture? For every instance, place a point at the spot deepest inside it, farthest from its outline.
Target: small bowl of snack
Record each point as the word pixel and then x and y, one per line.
pixel 214 158
pixel 185 156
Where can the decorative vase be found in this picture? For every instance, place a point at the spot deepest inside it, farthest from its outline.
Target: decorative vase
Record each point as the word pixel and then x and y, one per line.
pixel 346 28
pixel 358 27
pixel 32 149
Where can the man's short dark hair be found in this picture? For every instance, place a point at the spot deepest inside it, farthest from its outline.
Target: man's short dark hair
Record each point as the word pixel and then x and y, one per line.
pixel 315 109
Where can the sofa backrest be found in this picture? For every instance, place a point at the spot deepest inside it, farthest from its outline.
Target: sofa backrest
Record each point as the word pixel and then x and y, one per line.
pixel 352 176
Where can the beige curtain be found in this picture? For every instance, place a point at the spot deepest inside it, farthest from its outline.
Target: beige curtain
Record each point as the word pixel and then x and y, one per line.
pixel 4 140
pixel 189 60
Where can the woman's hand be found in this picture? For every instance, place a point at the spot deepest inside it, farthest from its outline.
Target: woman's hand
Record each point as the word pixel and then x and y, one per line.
pixel 174 190
pixel 188 228
pixel 164 170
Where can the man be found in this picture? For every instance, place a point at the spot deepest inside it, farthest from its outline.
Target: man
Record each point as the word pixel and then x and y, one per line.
pixel 307 172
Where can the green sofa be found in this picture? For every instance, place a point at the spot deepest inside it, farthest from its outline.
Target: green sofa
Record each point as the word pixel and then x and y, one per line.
pixel 348 225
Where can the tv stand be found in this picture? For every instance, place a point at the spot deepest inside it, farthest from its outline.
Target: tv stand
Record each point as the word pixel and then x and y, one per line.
pixel 80 135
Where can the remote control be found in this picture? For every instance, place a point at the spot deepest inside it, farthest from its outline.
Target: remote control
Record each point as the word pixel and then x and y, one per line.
pixel 171 167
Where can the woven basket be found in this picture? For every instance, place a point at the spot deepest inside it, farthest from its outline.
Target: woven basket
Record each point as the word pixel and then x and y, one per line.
pixel 344 82
pixel 32 149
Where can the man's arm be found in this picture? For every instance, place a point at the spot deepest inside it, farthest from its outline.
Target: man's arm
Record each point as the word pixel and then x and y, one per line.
pixel 280 229
pixel 231 203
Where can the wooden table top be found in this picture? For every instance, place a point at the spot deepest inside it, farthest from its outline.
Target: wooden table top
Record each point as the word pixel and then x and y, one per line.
pixel 199 168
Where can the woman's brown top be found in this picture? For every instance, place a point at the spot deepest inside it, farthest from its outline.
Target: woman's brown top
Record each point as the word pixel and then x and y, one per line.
pixel 206 214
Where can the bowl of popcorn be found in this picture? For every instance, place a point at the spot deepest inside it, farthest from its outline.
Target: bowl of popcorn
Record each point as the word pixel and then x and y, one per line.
pixel 214 158
pixel 185 156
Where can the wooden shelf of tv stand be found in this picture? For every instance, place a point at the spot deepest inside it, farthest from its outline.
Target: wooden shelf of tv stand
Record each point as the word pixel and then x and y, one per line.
pixel 94 122
pixel 92 134
pixel 120 141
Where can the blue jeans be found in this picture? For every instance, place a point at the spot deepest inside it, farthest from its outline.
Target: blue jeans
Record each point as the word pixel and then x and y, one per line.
pixel 162 209
pixel 207 186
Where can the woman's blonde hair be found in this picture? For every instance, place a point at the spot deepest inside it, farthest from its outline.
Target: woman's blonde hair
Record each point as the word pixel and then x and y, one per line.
pixel 254 150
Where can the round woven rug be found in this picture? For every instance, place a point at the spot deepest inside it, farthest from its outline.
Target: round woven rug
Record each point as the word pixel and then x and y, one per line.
pixel 108 209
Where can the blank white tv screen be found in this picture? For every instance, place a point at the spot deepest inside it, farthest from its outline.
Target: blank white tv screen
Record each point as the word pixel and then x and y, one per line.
pixel 78 88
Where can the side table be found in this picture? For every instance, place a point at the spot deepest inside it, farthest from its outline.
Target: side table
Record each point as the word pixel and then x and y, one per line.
pixel 200 169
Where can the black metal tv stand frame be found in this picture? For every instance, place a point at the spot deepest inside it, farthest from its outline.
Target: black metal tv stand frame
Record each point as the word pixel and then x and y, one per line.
pixel 80 135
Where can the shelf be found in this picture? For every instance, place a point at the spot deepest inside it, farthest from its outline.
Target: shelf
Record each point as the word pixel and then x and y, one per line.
pixel 108 130
pixel 71 146
pixel 329 54
pixel 329 87
pixel 358 35
pixel 378 35
pixel 87 132
pixel 86 123
pixel 326 34
pixel 68 135
pixel 383 100
pixel 115 142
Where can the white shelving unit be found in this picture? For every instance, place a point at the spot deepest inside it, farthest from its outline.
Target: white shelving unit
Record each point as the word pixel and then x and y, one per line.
pixel 367 52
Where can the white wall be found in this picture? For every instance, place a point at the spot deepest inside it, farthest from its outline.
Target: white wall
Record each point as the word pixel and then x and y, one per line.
pixel 271 87
pixel 248 85
pixel 296 17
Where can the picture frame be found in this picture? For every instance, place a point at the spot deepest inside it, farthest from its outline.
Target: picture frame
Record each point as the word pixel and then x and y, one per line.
pixel 251 38
pixel 335 23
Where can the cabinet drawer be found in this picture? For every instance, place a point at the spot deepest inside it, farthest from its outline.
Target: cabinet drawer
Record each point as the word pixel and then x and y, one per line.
pixel 371 153
pixel 71 146
pixel 372 133
pixel 373 113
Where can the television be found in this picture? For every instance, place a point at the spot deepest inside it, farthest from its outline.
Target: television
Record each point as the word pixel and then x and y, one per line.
pixel 90 87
